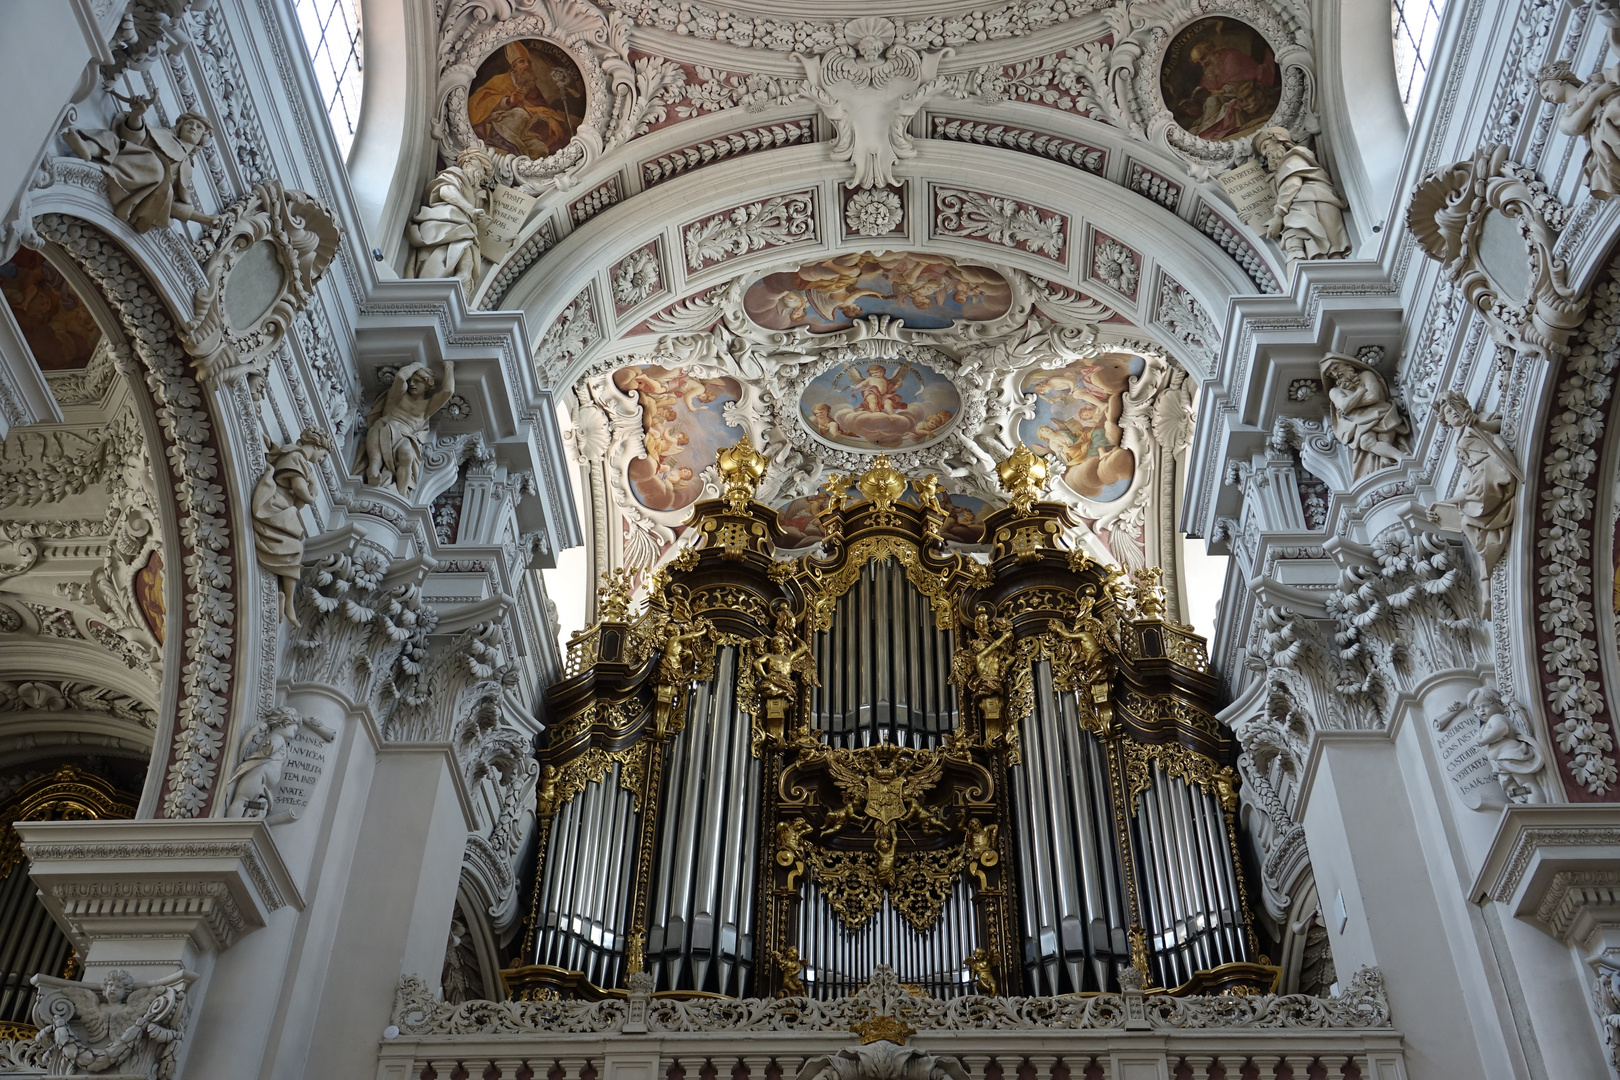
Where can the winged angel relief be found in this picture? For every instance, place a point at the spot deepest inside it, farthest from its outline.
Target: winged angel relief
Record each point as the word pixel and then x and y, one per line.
pixel 130 1028
pixel 870 92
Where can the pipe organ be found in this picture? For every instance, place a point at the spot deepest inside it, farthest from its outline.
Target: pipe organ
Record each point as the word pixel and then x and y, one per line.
pixel 996 772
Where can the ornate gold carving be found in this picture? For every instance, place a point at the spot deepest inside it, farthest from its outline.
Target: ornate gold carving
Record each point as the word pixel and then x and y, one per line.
pixel 635 952
pixel 979 668
pixel 883 785
pixel 981 964
pixel 979 849
pixel 1178 762
pixel 1024 476
pixel 882 1028
pixel 741 469
pixel 1150 593
pixel 613 596
pixel 922 882
pixel 882 483
pixel 792 968
pixel 1139 952
pixel 592 766
pixel 791 849
pixel 68 794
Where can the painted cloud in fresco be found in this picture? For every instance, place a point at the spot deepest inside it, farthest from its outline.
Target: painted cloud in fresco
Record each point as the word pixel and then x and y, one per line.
pixel 683 426
pixel 926 292
pixel 1076 423
pixel 871 405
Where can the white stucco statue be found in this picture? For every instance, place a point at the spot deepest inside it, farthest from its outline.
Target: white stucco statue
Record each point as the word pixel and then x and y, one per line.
pixel 1484 507
pixel 127 1028
pixel 254 783
pixel 287 486
pixel 1515 759
pixel 1308 218
pixel 148 168
pixel 397 425
pixel 1364 418
pixel 1591 109
pixel 443 234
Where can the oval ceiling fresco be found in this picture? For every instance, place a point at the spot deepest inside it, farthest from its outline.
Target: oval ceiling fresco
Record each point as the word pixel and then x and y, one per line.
pixel 876 405
pixel 1220 80
pixel 1076 423
pixel 926 292
pixel 683 427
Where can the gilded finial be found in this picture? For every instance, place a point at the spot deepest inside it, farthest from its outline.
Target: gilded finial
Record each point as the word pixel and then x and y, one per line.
pixel 635 953
pixel 741 469
pixel 1150 593
pixel 882 483
pixel 613 595
pixel 1024 476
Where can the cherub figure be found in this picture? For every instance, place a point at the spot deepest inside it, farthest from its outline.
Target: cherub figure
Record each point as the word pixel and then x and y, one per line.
pixel 991 657
pixel 1086 635
pixel 879 392
pixel 397 425
pixel 777 665
pixel 981 965
pixel 129 1028
pixel 979 849
pixel 791 966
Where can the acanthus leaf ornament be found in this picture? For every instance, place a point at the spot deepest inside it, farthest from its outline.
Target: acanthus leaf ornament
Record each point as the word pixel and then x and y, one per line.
pixel 870 89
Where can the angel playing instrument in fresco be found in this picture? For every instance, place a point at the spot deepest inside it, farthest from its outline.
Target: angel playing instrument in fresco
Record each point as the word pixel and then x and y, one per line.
pixel 1077 423
pixel 679 429
pixel 924 291
pixel 129 1028
pixel 880 408
pixel 878 390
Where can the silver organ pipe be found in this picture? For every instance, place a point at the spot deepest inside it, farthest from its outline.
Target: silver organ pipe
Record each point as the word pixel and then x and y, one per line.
pixel 700 931
pixel 1069 880
pixel 844 959
pixel 884 666
pixel 1193 905
pixel 584 879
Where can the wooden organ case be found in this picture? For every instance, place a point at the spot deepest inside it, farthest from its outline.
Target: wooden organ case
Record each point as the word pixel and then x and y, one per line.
pixel 997 777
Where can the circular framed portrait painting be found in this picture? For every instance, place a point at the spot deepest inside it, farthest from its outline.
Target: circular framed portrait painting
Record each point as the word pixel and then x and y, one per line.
pixel 527 99
pixel 1220 80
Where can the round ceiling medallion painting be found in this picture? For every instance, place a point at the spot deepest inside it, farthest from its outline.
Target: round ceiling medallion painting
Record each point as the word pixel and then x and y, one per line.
pixel 872 405
pixel 1220 80
pixel 925 292
pixel 528 99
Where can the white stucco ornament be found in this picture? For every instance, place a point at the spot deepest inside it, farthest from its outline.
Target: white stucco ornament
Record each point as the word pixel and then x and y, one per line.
pixel 870 89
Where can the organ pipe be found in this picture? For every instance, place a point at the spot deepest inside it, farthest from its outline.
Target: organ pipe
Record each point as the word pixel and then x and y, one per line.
pixel 777 771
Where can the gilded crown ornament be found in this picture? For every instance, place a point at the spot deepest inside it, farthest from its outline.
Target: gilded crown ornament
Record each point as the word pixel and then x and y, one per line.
pixel 613 595
pixel 883 1029
pixel 1024 476
pixel 882 483
pixel 741 469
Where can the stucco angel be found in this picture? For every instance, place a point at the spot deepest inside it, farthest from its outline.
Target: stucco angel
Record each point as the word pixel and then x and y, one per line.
pixel 397 425
pixel 1364 418
pixel 443 233
pixel 288 485
pixel 1515 759
pixel 1491 477
pixel 129 1028
pixel 148 168
pixel 1591 108
pixel 1308 216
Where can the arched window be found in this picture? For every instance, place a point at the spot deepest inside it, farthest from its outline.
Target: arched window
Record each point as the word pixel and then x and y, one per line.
pixel 1415 25
pixel 332 34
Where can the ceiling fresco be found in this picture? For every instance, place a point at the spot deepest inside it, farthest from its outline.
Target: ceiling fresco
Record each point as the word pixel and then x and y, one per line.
pixel 1033 363
pixel 879 406
pixel 59 329
pixel 925 292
